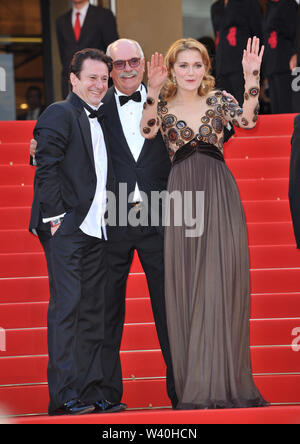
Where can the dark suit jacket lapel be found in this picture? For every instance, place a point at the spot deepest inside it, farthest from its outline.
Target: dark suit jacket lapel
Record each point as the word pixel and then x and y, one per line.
pixel 142 153
pixel 86 24
pixel 84 125
pixel 68 25
pixel 110 171
pixel 113 119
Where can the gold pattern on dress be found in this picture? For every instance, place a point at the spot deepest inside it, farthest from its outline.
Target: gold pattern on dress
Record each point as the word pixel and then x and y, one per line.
pixel 176 131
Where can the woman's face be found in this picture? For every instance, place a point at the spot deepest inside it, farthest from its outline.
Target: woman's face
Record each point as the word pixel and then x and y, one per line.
pixel 189 69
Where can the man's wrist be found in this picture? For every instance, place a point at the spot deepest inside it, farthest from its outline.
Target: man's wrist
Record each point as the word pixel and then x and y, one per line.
pixel 56 222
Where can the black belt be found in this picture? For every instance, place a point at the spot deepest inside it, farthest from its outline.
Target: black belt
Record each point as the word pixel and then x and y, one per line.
pixel 196 146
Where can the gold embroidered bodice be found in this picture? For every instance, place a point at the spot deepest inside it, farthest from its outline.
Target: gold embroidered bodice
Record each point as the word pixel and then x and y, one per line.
pixel 220 109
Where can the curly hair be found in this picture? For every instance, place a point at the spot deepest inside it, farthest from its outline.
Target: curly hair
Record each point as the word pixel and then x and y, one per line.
pixel 169 89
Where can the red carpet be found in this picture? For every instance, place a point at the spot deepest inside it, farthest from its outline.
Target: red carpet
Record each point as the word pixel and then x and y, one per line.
pixel 259 160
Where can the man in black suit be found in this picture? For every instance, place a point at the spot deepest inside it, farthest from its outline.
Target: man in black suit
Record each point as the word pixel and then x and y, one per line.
pixel 234 21
pixel 73 173
pixel 140 166
pixel 294 182
pixel 84 26
pixel 279 28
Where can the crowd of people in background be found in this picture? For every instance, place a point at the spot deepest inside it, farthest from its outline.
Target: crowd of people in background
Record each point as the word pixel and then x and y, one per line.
pixel 275 22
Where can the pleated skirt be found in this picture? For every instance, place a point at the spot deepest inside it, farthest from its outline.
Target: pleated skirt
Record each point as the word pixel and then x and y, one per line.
pixel 207 287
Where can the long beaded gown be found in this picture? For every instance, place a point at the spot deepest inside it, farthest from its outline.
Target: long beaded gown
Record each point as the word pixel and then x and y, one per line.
pixel 207 284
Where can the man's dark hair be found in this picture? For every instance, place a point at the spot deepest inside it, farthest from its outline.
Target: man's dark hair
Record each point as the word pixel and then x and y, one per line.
pixel 89 53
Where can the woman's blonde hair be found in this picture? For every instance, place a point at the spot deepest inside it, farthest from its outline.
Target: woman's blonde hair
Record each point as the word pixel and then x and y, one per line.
pixel 208 82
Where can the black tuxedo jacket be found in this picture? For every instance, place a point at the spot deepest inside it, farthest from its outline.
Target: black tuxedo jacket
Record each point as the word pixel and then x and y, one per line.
pixel 279 28
pixel 98 31
pixel 151 170
pixel 233 25
pixel 65 178
pixel 294 183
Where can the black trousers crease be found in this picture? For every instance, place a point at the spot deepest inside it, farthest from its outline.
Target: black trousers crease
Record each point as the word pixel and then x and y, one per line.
pixel 149 245
pixel 77 269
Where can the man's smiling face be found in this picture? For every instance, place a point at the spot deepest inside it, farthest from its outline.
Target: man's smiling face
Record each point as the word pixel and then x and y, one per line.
pixel 128 78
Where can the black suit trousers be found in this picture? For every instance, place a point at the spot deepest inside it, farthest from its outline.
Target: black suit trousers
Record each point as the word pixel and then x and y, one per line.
pixel 77 269
pixel 149 246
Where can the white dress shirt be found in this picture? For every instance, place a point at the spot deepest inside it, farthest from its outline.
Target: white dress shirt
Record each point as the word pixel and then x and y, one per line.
pixel 94 223
pixel 83 12
pixel 130 116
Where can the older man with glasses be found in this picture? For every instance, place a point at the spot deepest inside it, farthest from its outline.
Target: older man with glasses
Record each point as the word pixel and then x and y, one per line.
pixel 140 166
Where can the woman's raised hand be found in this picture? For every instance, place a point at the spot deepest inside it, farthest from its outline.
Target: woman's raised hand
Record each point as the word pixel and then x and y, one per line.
pixel 252 57
pixel 157 72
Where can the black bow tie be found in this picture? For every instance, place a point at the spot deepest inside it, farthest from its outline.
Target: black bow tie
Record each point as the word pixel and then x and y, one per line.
pixel 94 113
pixel 136 96
pixel 97 114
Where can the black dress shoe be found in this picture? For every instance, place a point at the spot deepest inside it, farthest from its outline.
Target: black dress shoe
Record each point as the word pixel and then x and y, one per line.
pixel 73 407
pixel 104 406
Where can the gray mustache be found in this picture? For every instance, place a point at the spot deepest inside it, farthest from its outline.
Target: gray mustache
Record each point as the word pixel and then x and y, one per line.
pixel 128 74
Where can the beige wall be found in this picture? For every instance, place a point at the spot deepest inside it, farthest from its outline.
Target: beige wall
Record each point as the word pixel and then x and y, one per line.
pixel 56 9
pixel 155 24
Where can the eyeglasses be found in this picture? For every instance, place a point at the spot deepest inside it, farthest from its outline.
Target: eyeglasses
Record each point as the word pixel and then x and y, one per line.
pixel 121 64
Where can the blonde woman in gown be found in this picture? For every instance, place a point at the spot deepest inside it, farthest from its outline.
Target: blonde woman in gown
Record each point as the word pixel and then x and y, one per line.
pixel 207 284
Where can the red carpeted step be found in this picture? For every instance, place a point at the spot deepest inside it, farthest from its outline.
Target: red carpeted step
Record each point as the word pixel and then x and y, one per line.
pixel 34 314
pixel 263 189
pixel 275 281
pixel 250 189
pixel 255 147
pixel 266 332
pixel 21 241
pixel 36 289
pixel 261 256
pixel 22 265
pixel 16 132
pixel 267 415
pixel 14 218
pixel 274 256
pixel 255 211
pixel 240 168
pixel 271 233
pixel 16 195
pixel 21 400
pixel 144 364
pixel 16 175
pixel 267 211
pixel 273 331
pixel 274 360
pixel 34 264
pixel 14 153
pixel 275 305
pixel 258 168
pixel 270 126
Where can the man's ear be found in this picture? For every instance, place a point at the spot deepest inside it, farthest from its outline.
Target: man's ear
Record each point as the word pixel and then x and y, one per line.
pixel 73 79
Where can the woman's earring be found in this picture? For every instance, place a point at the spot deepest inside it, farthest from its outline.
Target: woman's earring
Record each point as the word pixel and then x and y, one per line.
pixel 174 81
